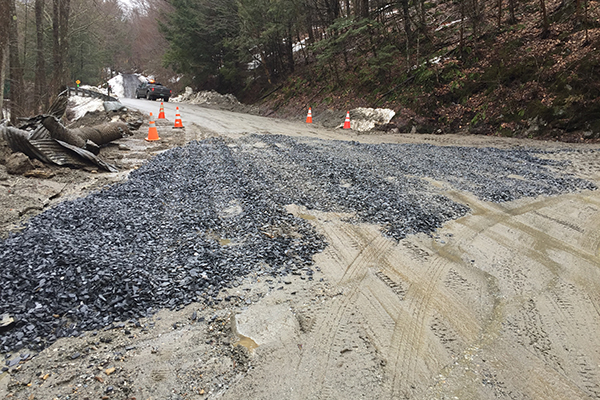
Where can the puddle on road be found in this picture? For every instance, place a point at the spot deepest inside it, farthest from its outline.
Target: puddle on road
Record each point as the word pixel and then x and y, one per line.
pixel 246 342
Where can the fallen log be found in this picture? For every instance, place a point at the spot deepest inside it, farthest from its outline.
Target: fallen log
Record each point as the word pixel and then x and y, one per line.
pixel 88 138
pixel 59 132
pixel 105 133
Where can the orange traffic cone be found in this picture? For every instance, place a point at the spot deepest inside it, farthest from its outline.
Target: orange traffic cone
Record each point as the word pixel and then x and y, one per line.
pixel 152 132
pixel 161 114
pixel 178 123
pixel 309 116
pixel 347 121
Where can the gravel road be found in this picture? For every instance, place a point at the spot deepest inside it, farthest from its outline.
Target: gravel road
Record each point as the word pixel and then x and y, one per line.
pixel 398 270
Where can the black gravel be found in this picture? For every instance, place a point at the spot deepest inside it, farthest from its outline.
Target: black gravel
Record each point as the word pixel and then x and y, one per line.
pixel 195 219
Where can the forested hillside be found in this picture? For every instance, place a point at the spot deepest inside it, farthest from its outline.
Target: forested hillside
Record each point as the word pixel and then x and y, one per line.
pixel 503 67
pixel 46 45
pixel 507 67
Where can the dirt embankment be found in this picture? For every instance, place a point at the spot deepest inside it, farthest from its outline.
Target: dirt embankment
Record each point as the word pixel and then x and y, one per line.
pixel 489 305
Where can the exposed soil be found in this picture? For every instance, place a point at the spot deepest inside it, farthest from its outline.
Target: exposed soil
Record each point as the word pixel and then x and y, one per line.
pixel 495 304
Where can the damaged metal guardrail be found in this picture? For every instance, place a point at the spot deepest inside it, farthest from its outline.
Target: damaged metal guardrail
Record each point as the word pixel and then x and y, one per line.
pixel 75 91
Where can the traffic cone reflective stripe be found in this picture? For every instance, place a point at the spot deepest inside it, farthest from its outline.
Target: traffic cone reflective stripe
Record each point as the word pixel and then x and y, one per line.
pixel 178 123
pixel 347 121
pixel 152 132
pixel 161 114
pixel 309 116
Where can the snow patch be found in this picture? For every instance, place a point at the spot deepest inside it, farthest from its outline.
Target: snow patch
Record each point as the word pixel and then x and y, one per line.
pixel 365 119
pixel 83 105
pixel 448 24
pixel 206 97
pixel 117 87
pixel 299 45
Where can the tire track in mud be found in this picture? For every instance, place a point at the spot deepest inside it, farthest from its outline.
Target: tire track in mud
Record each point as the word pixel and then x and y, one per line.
pixel 405 298
pixel 395 305
pixel 407 339
pixel 394 287
pixel 371 291
pixel 554 334
pixel 566 301
pixel 354 275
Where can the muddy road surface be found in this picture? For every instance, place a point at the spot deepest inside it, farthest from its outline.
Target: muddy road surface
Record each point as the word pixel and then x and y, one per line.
pixel 501 301
pixel 225 122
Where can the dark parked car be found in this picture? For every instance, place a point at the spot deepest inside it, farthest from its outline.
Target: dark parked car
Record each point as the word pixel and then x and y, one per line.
pixel 152 90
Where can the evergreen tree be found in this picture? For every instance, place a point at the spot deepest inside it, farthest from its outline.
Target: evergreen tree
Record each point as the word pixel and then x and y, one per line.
pixel 199 33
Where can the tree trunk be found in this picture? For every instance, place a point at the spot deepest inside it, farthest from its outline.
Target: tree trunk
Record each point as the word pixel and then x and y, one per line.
pixel 511 7
pixel 16 71
pixel 3 64
pixel 88 138
pixel 476 17
pixel 333 10
pixel 309 24
pixel 289 49
pixel 420 6
pixel 41 91
pixel 499 14
pixel 462 28
pixel 585 22
pixel 56 58
pixel 65 9
pixel 60 47
pixel 364 8
pixel 406 20
pixel 4 18
pixel 545 24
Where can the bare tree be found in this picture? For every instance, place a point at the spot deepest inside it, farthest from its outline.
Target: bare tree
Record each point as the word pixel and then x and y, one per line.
pixel 363 10
pixel 406 20
pixel 4 21
pixel 41 91
pixel 545 23
pixel 60 45
pixel 499 14
pixel 511 7
pixel 16 70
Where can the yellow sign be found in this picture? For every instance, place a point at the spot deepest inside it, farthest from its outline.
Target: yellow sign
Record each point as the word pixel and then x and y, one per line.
pixel 77 81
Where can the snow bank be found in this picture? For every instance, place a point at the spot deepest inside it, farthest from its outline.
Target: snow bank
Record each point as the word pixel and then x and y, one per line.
pixel 82 105
pixel 206 97
pixel 117 88
pixel 365 119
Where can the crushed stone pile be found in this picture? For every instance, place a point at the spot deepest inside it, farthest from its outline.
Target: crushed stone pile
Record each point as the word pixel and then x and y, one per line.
pixel 196 219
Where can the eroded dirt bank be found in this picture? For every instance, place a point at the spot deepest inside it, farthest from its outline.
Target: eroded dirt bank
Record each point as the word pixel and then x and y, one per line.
pixel 499 303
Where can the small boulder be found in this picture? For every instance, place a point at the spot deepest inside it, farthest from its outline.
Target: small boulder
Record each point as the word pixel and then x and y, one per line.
pixel 3 174
pixel 41 173
pixel 18 164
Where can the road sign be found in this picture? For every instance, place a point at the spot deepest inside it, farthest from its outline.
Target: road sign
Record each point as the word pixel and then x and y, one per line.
pixel 77 82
